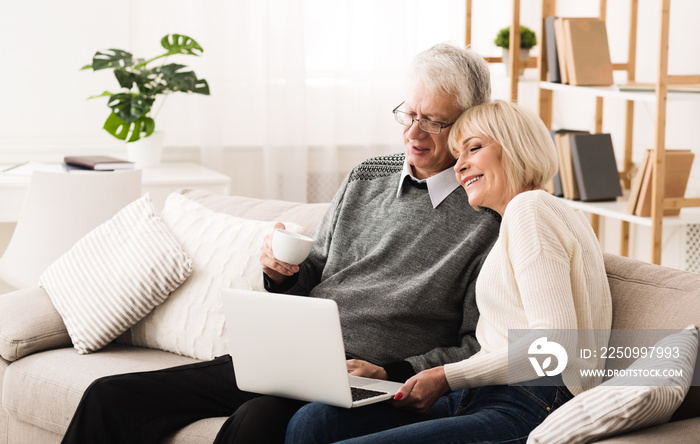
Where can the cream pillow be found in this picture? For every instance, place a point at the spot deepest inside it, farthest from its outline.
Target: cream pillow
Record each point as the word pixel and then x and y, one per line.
pixel 621 404
pixel 225 252
pixel 114 276
pixel 29 323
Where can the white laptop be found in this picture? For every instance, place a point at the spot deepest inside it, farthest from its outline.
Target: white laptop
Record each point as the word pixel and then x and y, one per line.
pixel 292 346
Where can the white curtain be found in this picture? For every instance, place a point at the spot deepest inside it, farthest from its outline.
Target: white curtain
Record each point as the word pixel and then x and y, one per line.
pixel 301 90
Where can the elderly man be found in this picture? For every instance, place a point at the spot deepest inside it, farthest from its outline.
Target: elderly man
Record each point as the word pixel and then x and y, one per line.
pixel 399 250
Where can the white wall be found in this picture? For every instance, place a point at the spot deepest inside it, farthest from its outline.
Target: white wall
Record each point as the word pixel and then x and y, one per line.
pixel 44 94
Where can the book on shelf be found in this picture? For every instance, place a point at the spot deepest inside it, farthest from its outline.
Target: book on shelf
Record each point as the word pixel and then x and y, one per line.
pixel 550 48
pixel 98 163
pixel 562 166
pixel 584 44
pixel 566 171
pixel 560 41
pixel 595 168
pixel 651 87
pixel 555 185
pixel 677 165
pixel 636 184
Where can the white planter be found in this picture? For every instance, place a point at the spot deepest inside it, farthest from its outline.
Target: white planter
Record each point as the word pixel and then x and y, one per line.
pixel 146 151
pixel 524 57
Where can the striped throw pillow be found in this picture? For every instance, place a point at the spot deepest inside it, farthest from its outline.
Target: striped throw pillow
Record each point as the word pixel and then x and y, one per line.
pixel 647 397
pixel 115 275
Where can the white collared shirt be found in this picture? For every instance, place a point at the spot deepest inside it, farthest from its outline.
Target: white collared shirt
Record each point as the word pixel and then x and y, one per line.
pixel 439 186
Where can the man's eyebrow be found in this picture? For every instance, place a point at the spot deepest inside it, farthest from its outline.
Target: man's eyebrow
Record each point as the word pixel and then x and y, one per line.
pixel 428 116
pixel 437 117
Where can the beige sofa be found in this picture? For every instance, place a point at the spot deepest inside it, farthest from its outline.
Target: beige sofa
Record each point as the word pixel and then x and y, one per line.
pixel 42 377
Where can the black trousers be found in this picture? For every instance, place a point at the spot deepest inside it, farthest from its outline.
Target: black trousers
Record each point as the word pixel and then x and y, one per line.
pixel 145 407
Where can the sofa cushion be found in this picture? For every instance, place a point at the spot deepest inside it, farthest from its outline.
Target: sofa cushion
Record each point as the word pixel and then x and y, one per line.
pixel 626 402
pixel 678 432
pixel 44 389
pixel 201 432
pixel 225 254
pixel 647 296
pixel 4 417
pixel 114 276
pixel 304 214
pixel 29 323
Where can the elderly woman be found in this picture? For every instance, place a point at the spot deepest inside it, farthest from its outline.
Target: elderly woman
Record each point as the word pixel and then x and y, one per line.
pixel 545 271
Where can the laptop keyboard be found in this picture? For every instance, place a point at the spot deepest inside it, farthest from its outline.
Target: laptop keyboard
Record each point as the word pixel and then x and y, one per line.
pixel 359 394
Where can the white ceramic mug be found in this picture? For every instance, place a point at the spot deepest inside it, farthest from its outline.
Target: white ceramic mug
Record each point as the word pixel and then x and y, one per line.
pixel 290 247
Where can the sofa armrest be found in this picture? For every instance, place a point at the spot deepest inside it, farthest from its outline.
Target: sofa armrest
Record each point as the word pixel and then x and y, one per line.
pixel 29 323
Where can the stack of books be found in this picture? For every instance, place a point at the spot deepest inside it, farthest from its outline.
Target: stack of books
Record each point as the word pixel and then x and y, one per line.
pixel 587 166
pixel 677 165
pixel 577 51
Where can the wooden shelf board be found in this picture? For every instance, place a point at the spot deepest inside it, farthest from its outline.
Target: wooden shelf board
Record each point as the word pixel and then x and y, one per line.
pixel 614 92
pixel 618 210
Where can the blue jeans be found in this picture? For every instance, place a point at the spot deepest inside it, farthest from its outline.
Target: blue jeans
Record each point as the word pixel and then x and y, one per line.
pixel 493 414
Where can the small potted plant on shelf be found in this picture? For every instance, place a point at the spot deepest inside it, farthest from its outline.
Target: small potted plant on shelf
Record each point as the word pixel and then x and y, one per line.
pixel 528 40
pixel 141 82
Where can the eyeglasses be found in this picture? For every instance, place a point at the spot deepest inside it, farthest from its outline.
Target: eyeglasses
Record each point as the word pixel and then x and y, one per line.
pixel 428 126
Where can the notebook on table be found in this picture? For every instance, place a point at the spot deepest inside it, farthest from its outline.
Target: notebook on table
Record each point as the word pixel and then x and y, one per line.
pixel 292 346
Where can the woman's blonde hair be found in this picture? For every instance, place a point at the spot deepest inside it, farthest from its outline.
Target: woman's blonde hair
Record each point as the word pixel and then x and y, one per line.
pixel 529 158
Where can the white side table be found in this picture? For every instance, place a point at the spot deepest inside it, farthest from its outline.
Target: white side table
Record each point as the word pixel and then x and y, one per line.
pixel 160 181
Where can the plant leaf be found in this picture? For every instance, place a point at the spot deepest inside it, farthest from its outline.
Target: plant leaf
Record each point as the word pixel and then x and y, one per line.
pixel 187 81
pixel 131 132
pixel 201 87
pixel 182 81
pixel 111 58
pixel 116 127
pixel 104 94
pixel 124 77
pixel 142 126
pixel 171 68
pixel 149 125
pixel 129 107
pixel 180 44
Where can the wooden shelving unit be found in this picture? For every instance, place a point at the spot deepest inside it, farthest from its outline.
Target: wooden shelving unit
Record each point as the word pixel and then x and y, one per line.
pixel 515 64
pixel 660 98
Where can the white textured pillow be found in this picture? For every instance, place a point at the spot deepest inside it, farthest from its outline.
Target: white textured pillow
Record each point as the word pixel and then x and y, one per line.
pixel 225 251
pixel 621 404
pixel 114 276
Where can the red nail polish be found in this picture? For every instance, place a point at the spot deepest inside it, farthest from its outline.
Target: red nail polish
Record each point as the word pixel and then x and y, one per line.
pixel 398 396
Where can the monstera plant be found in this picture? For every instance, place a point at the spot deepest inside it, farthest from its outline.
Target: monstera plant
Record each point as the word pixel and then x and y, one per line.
pixel 141 81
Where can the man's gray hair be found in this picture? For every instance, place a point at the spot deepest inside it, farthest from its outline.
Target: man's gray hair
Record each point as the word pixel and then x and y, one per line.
pixel 448 69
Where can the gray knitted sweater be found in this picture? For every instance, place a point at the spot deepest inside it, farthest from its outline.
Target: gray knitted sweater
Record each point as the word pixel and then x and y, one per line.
pixel 402 272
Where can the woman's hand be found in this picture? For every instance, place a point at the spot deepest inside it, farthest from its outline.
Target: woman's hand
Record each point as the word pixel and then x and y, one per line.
pixel 276 270
pixel 422 391
pixel 366 369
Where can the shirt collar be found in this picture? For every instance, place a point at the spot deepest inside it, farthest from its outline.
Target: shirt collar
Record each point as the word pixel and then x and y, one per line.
pixel 440 185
